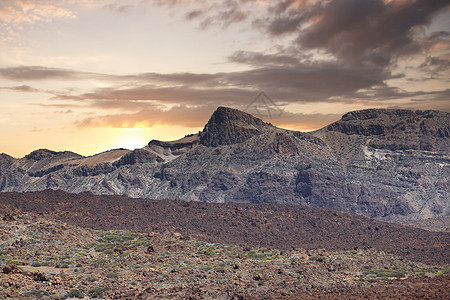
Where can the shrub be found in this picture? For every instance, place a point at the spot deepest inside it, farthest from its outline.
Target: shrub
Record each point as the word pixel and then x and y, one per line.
pixel 384 274
pixel 112 275
pixel 36 264
pixel 75 293
pixel 98 291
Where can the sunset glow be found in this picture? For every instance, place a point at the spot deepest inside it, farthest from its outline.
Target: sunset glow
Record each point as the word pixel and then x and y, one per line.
pixel 89 76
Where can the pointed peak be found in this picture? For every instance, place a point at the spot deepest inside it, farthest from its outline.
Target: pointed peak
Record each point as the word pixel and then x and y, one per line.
pixel 233 113
pixel 230 126
pixel 227 114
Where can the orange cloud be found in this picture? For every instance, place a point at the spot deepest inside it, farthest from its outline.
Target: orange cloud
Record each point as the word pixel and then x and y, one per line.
pixel 31 11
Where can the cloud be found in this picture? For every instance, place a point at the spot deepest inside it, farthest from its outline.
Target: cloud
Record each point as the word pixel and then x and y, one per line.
pixel 284 80
pixel 346 51
pixel 21 88
pixel 187 99
pixel 36 73
pixel 257 59
pixel 214 13
pixel 357 31
pixel 197 116
pixel 298 83
pixel 31 11
pixel 120 8
pixel 435 65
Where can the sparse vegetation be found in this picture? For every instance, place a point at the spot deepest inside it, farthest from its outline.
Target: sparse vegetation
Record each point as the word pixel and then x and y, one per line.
pixel 121 264
pixel 98 291
pixel 75 293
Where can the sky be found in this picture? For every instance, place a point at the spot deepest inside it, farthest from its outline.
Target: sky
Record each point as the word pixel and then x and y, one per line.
pixel 88 76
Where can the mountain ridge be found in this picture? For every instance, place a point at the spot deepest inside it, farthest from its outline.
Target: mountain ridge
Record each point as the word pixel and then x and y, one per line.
pixel 388 164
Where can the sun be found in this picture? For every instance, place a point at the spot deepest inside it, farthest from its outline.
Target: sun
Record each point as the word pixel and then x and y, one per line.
pixel 132 138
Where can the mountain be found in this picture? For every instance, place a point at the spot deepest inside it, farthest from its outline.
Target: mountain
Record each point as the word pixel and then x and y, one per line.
pixel 381 163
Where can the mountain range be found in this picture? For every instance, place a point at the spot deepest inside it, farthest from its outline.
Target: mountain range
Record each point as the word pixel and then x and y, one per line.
pixel 388 164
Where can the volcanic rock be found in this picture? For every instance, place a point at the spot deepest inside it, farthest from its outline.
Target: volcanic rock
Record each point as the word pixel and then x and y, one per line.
pixel 229 126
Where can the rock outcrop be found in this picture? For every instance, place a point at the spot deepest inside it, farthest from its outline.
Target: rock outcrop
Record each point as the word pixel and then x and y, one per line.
pixel 381 163
pixel 229 126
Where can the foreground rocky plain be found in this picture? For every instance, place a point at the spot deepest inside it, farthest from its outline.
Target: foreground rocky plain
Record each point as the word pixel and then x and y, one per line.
pixel 59 245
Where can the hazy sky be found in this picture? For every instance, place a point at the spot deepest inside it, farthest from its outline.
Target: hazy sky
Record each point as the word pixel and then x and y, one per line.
pixel 87 76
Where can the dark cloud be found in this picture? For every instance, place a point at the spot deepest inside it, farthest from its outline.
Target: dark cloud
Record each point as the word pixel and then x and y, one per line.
pixel 386 93
pixel 210 14
pixel 357 31
pixel 435 65
pixel 260 59
pixel 140 96
pixel 119 8
pixel 311 82
pixel 34 73
pixel 296 83
pixel 193 14
pixel 226 14
pixel 284 78
pixel 287 16
pixel 21 88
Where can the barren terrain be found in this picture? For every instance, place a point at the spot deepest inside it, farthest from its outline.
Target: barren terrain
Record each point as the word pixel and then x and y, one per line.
pixel 255 225
pixel 41 258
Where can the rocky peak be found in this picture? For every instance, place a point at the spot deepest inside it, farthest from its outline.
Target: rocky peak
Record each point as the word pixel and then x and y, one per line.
pixel 229 126
pixel 40 154
pixel 394 121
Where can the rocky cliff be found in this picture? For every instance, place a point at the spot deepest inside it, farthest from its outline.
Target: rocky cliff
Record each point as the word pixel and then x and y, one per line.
pixel 386 164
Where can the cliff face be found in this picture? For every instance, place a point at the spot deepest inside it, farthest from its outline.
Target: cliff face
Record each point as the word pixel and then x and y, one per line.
pixel 386 164
pixel 230 126
pixel 398 129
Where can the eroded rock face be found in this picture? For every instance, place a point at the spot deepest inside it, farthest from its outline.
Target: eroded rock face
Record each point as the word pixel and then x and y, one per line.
pixel 138 156
pixel 397 129
pixel 41 154
pixel 229 126
pixel 386 164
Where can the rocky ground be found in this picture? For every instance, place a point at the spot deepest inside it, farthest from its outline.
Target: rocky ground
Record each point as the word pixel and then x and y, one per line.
pixel 40 258
pixel 441 224
pixel 267 225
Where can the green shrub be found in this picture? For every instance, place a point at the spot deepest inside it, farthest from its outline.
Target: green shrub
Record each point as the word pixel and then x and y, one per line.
pixel 16 262
pixel 384 274
pixel 75 293
pixel 99 262
pixel 36 264
pixel 112 275
pixel 98 291
pixel 38 293
pixel 62 265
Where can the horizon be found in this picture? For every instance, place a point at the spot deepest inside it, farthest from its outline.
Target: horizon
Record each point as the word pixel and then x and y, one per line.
pixel 91 76
pixel 142 146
